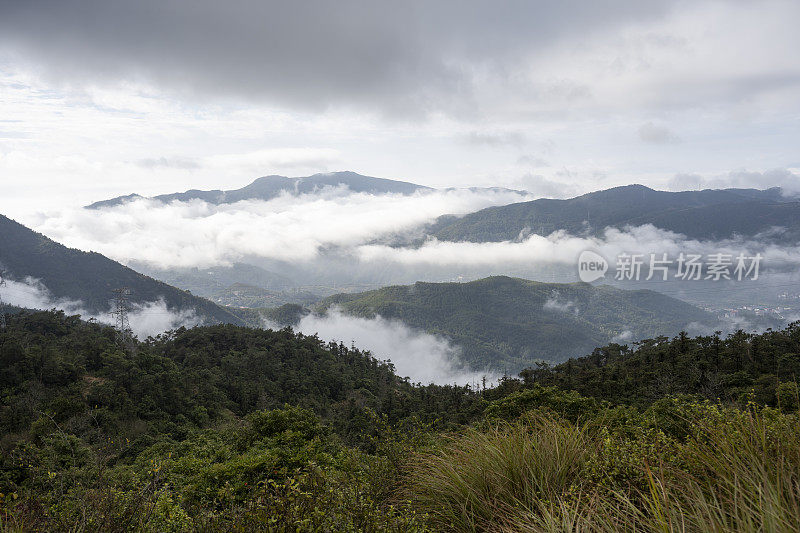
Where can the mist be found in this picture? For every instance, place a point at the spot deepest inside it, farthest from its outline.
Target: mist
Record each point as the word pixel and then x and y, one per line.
pixel 420 356
pixel 287 228
pixel 145 319
pixel 335 240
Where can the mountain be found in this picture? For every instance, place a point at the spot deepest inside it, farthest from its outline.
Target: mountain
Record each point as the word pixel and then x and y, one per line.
pixel 707 214
pixel 508 323
pixel 269 187
pixel 89 276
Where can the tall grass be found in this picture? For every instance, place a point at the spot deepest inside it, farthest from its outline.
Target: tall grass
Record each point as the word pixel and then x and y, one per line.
pixel 737 471
pixel 483 478
pixel 743 475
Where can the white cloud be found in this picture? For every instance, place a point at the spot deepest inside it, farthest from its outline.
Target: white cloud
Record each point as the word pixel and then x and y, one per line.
pixel 286 228
pixel 625 336
pixel 423 357
pixel 554 303
pixel 562 248
pixel 145 319
pixel 279 159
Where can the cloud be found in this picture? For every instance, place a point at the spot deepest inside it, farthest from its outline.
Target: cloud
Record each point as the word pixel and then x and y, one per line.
pixel 145 319
pixel 532 161
pixel 560 248
pixel 168 162
pixel 624 336
pixel 651 133
pixel 278 159
pixel 524 59
pixel 423 357
pixel 99 90
pixel 257 162
pixel 785 178
pixel 555 304
pixel 402 57
pixel 494 140
pixel 546 188
pixel 287 228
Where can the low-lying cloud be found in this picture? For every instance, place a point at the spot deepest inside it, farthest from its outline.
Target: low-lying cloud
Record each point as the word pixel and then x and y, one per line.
pixel 420 356
pixel 555 303
pixel 563 248
pixel 287 228
pixel 145 319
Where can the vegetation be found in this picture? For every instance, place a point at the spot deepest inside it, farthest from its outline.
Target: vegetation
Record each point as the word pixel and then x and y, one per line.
pixel 731 470
pixel 507 323
pixel 224 428
pixel 710 367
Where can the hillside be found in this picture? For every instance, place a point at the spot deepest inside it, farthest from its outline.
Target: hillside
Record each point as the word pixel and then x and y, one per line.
pixel 732 369
pixel 507 323
pixel 707 214
pixel 225 428
pixel 87 276
pixel 269 187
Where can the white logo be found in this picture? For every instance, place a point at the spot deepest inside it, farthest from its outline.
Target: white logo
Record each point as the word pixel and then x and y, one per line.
pixel 591 266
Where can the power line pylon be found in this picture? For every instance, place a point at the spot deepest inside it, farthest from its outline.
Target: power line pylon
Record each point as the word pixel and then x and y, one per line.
pixel 121 309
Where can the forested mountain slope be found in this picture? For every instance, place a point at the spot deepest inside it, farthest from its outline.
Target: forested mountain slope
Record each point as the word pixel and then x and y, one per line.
pixel 507 323
pixel 189 432
pixel 87 276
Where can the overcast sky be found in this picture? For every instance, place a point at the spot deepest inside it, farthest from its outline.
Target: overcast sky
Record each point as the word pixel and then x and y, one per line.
pixel 101 98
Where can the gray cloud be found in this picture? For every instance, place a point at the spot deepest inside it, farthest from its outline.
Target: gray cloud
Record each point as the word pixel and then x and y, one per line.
pixel 393 56
pixel 652 133
pixel 532 161
pixel 784 178
pixel 506 138
pixel 168 162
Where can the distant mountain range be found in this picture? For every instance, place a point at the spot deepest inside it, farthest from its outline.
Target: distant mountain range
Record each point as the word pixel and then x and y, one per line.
pixel 269 187
pixel 707 214
pixel 507 323
pixel 89 277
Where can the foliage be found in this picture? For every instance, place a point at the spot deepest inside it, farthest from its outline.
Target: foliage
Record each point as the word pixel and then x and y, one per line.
pixel 225 428
pixel 737 470
pixel 738 367
pixel 508 323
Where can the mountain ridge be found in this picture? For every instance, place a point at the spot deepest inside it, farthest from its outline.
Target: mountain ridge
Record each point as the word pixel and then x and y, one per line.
pixel 269 187
pixel 272 186
pixel 706 214
pixel 508 323
pixel 89 276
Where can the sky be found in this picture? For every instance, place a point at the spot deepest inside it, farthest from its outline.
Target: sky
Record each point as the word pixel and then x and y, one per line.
pixel 103 98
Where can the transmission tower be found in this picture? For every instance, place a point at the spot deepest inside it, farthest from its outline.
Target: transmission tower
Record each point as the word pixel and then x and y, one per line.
pixel 2 311
pixel 121 309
